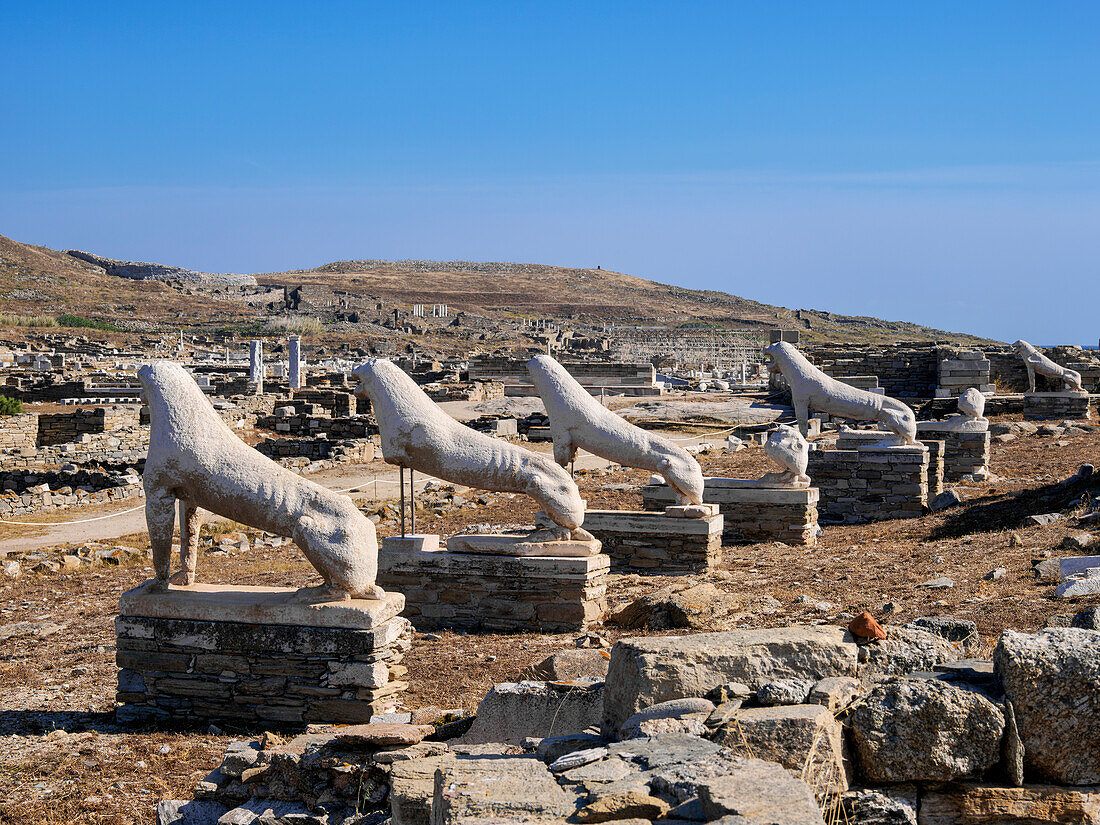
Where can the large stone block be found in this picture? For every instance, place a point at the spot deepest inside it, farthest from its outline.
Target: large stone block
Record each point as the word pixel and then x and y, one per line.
pixel 478 790
pixel 514 711
pixel 805 739
pixel 759 793
pixel 909 730
pixel 1052 679
pixel 963 803
pixel 645 671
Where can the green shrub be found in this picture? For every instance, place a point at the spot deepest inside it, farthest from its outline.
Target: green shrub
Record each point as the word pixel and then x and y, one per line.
pixel 10 406
pixel 89 323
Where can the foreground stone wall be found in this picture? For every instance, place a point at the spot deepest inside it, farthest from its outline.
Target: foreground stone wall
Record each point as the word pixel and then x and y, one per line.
pixel 656 542
pixel 497 593
pixel 871 484
pixel 59 428
pixel 751 512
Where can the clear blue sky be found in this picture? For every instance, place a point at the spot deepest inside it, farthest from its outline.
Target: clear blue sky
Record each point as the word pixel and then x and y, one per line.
pixel 934 162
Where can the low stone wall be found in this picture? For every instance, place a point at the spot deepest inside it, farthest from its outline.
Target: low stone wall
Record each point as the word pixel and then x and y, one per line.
pixel 1057 406
pixel 871 484
pixel 305 424
pixel 60 428
pixel 58 491
pixel 751 512
pixel 965 453
pixel 497 593
pixel 969 369
pixel 852 439
pixel 340 404
pixel 656 542
pixel 319 449
pixel 475 391
pixel 19 433
pixel 189 670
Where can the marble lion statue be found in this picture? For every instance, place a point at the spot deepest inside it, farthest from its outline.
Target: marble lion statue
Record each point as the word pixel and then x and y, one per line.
pixel 811 389
pixel 196 460
pixel 417 434
pixel 578 421
pixel 787 448
pixel 1036 362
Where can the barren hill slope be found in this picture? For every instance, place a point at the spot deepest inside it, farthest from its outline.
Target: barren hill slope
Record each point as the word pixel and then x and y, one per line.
pixel 36 280
pixel 597 295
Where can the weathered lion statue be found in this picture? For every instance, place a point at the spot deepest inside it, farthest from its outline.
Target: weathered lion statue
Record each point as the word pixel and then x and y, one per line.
pixel 1036 362
pixel 417 434
pixel 195 459
pixel 811 389
pixel 578 421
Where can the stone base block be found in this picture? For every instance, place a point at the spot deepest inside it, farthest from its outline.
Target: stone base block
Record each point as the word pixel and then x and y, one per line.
pixel 752 511
pixel 657 541
pixel 871 483
pixel 182 658
pixel 497 593
pixel 424 542
pixel 1057 406
pixel 966 453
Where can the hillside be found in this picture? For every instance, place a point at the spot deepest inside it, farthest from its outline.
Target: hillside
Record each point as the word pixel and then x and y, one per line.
pixel 596 295
pixel 36 280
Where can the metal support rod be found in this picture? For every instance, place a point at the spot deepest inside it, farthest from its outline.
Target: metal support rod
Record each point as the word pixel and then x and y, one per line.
pixel 412 502
pixel 401 485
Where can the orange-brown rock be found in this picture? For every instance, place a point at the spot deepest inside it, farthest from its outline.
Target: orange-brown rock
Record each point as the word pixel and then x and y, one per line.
pixel 864 626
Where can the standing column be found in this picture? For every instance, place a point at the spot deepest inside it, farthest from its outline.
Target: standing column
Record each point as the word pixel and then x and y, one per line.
pixel 294 346
pixel 256 365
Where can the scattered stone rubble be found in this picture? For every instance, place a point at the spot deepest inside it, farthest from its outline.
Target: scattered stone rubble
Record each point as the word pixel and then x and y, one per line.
pixel 795 725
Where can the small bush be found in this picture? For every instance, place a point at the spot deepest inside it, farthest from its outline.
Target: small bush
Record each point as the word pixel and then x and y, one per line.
pixel 10 406
pixel 88 323
pixel 7 320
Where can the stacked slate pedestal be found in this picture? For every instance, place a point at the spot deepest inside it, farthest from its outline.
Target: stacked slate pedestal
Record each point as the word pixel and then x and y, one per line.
pixel 494 592
pixel 934 476
pixel 1057 406
pixel 751 510
pixel 660 542
pixel 966 451
pixel 872 483
pixel 252 655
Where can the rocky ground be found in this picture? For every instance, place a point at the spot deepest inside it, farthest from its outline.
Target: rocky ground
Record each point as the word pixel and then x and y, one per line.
pixel 63 760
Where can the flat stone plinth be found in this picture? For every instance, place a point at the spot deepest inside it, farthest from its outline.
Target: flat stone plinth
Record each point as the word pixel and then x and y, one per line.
pixel 1057 406
pixel 752 510
pixel 872 483
pixel 254 655
pixel 519 544
pixel 256 605
pixel 425 542
pixel 657 541
pixel 497 592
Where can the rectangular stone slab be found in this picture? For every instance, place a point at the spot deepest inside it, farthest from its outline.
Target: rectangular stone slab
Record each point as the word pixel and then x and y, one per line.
pixel 256 605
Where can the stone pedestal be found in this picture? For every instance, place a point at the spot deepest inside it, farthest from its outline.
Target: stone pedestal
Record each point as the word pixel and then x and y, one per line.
pixel 1056 406
pixel 850 439
pixel 752 511
pixel 656 541
pixel 251 655
pixel 966 451
pixel 495 592
pixel 871 483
